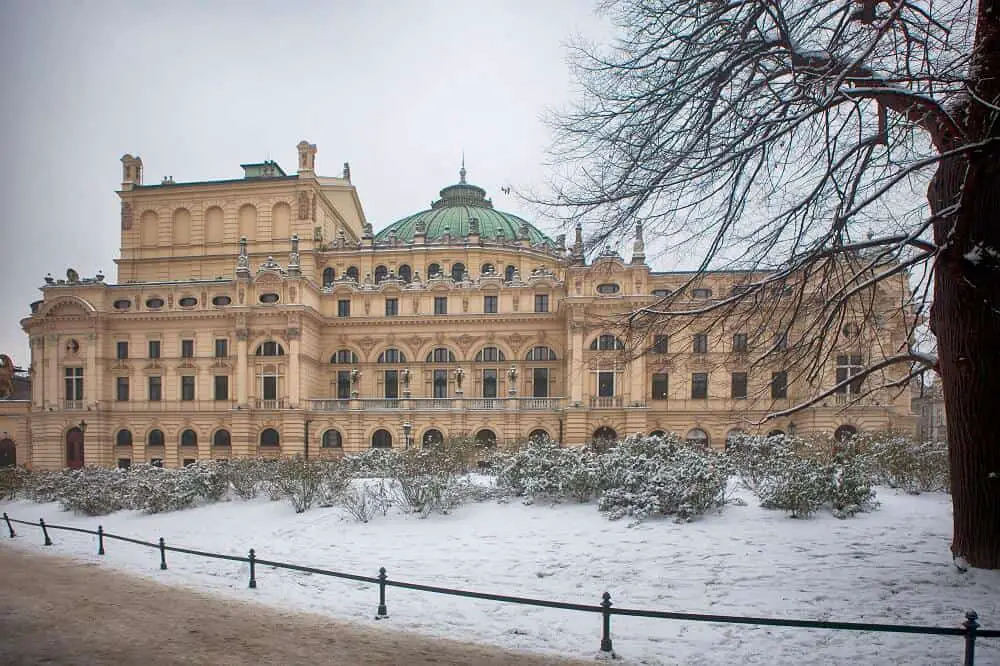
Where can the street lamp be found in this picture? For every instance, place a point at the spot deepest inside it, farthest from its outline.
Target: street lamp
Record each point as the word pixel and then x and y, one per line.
pixel 407 429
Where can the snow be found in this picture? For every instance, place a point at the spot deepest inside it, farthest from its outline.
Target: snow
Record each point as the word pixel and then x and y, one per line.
pixel 891 565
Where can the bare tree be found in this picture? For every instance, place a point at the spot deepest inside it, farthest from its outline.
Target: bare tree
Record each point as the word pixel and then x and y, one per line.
pixel 787 138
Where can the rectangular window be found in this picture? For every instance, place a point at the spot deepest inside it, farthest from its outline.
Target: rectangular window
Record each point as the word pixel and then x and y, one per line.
pixel 440 305
pixel 392 383
pixel 661 343
pixel 605 384
pixel 541 302
pixel 269 387
pixel 781 342
pixel 344 308
pixel 343 384
pixel 440 383
pixel 121 389
pixel 699 385
pixel 154 349
pixel 700 343
pixel 740 343
pixel 490 304
pixel 391 307
pixel 221 348
pixel 74 383
pixel 489 383
pixel 540 382
pixel 739 386
pixel 779 385
pixel 124 463
pixel 849 365
pixel 188 462
pixel 121 351
pixel 156 462
pixel 155 393
pixel 187 387
pixel 187 348
pixel 660 386
pixel 221 387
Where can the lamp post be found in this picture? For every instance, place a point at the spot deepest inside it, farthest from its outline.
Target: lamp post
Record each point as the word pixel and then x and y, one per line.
pixel 407 429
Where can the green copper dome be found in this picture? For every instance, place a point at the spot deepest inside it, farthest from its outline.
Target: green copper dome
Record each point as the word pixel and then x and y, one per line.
pixel 452 213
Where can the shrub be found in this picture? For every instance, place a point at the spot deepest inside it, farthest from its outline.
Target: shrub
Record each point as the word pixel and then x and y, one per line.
pixel 12 481
pixel 245 476
pixel 798 485
pixel 360 502
pixel 900 462
pixel 544 469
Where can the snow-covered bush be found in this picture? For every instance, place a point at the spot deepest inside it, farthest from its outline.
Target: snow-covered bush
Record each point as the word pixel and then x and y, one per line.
pixel 544 469
pixel 360 502
pixel 899 462
pixel 334 481
pixel 155 489
pixel 245 476
pixel 645 476
pixel 298 479
pixel 798 485
pixel 12 481
pixel 93 491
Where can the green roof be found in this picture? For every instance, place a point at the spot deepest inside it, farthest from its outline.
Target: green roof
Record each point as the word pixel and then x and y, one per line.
pixel 460 203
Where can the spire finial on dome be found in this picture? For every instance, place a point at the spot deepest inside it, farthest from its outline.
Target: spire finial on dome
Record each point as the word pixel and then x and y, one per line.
pixel 461 172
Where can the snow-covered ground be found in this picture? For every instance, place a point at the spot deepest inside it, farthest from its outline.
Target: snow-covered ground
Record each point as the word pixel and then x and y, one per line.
pixel 891 565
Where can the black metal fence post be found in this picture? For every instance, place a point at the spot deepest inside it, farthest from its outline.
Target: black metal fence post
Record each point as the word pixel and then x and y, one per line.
pixel 9 526
pixel 100 539
pixel 253 569
pixel 970 626
pixel 41 523
pixel 606 646
pixel 382 612
pixel 163 554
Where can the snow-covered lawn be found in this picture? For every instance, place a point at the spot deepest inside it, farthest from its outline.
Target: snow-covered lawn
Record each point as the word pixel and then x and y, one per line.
pixel 891 565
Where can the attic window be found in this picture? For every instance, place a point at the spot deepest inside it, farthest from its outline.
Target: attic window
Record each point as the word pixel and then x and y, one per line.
pixel 154 303
pixel 188 302
pixel 122 304
pixel 221 300
pixel 662 293
pixel 270 297
pixel 608 288
pixel 701 293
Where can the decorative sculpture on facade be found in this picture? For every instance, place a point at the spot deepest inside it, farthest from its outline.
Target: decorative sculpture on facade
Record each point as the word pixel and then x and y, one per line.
pixel 6 376
pixel 459 376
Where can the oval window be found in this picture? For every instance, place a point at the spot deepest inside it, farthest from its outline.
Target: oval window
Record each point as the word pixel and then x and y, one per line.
pixel 122 304
pixel 154 303
pixel 188 302
pixel 221 300
pixel 701 293
pixel 661 293
pixel 269 298
pixel 609 288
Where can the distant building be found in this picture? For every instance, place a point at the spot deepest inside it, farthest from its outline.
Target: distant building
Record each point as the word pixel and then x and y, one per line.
pixel 928 404
pixel 264 316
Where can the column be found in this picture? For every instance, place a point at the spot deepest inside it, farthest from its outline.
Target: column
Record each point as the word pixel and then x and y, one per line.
pixel 294 380
pixel 241 367
pixel 91 380
pixel 53 385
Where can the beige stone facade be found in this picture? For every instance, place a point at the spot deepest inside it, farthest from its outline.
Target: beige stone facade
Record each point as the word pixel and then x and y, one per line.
pixel 262 316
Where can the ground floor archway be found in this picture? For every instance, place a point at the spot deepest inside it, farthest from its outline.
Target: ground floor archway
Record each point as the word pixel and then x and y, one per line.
pixel 8 452
pixel 74 448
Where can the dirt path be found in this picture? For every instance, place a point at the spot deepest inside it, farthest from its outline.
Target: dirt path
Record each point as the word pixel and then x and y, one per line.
pixel 60 611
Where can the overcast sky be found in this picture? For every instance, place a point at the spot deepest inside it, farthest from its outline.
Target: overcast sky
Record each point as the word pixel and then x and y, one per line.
pixel 398 89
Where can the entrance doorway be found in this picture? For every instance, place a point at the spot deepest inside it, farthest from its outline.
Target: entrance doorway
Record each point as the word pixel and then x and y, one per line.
pixel 74 448
pixel 8 453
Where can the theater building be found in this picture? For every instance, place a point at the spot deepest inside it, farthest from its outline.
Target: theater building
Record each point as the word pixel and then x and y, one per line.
pixel 263 316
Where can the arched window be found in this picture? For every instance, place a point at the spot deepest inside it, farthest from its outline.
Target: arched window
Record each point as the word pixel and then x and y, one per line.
pixel 733 435
pixel 658 433
pixel 697 437
pixel 270 348
pixel 457 271
pixel 434 270
pixel 154 438
pixel 508 273
pixel 328 276
pixel 487 269
pixel 270 438
pixel 432 437
pixel 486 437
pixel 392 355
pixel 381 272
pixel 344 356
pixel 189 438
pixel 221 438
pixel 606 435
pixel 405 273
pixel 490 354
pixel 441 355
pixel 352 273
pixel 607 341
pixel 382 439
pixel 541 354
pixel 845 432
pixel 538 435
pixel 332 439
pixel 123 438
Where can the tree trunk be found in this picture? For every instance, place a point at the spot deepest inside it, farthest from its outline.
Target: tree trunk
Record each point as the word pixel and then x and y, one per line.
pixel 965 316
